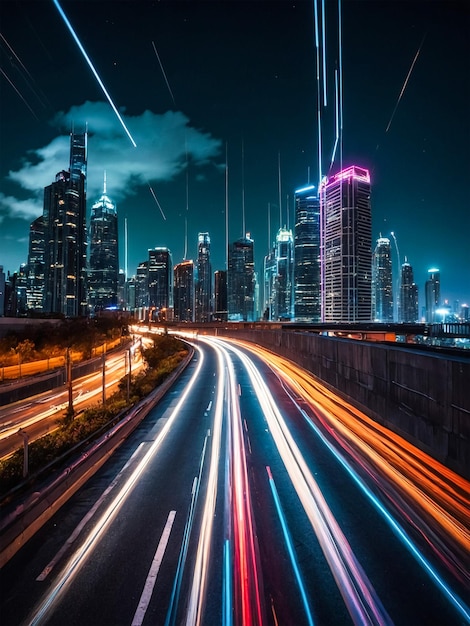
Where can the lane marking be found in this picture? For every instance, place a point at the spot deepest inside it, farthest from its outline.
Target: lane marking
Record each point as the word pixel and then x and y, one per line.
pixel 153 572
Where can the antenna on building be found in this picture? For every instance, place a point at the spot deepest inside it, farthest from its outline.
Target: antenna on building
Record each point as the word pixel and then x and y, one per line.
pixel 104 183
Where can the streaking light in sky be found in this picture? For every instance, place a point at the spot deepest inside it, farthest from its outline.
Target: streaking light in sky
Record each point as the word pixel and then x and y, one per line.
pixel 156 200
pixel 404 85
pixel 164 73
pixel 88 60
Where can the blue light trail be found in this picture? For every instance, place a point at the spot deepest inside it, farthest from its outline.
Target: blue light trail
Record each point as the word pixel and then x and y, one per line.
pixel 88 60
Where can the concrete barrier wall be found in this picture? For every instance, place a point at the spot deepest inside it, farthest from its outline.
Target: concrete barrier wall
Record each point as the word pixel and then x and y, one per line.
pixel 422 396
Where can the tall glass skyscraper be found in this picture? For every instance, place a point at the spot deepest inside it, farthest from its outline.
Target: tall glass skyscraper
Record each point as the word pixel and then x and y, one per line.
pixel 220 295
pixel 408 295
pixel 307 274
pixel 183 291
pixel 241 280
pixel 65 236
pixel 346 235
pixel 35 272
pixel 104 263
pixel 160 283
pixel 432 294
pixel 269 278
pixel 283 282
pixel 382 285
pixel 203 279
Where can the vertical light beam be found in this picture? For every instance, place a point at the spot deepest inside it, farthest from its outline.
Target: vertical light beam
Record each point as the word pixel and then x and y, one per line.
pixel 88 60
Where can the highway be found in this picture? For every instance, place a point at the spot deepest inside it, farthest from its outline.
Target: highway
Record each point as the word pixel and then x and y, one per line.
pixel 251 495
pixel 39 415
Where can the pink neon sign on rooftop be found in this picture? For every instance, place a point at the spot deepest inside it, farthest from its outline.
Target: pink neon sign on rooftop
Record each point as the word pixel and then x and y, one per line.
pixel 355 172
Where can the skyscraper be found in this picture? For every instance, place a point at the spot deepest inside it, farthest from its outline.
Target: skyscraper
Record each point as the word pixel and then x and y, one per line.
pixel 269 278
pixel 408 295
pixel 346 236
pixel 141 286
pixel 382 285
pixel 183 291
pixel 220 295
pixel 432 294
pixel 104 263
pixel 283 282
pixel 307 267
pixel 160 282
pixel 203 279
pixel 241 280
pixel 65 236
pixel 35 273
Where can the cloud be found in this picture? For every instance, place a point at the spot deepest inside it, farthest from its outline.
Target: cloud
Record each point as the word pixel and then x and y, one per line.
pixel 163 144
pixel 28 209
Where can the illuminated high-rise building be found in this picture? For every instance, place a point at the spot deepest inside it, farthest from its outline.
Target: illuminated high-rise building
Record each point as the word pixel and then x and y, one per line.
pixel 346 236
pixel 307 267
pixel 269 277
pixel 220 295
pixel 160 282
pixel 203 288
pixel 241 281
pixel 141 286
pixel 408 295
pixel 283 280
pixel 35 273
pixel 183 291
pixel 104 262
pixel 65 236
pixel 382 285
pixel 432 294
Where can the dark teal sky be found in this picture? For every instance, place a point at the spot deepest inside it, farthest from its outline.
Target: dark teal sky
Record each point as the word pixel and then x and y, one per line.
pixel 241 74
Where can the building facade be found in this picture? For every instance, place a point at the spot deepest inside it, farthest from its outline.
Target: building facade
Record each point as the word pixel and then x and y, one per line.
pixel 220 296
pixel 183 291
pixel 307 256
pixel 103 269
pixel 432 294
pixel 241 284
pixel 160 283
pixel 65 234
pixel 409 308
pixel 203 288
pixel 35 273
pixel 382 283
pixel 284 276
pixel 346 236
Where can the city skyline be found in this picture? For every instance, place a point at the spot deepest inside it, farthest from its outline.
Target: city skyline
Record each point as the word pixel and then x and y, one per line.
pixel 232 88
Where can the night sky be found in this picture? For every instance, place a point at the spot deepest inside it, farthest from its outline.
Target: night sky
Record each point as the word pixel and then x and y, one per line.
pixel 239 77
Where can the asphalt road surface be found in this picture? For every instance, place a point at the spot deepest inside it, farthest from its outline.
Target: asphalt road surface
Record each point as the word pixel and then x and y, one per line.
pixel 250 496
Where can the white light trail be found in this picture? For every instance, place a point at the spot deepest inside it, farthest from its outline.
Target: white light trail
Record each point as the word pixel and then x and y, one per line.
pixel 156 200
pixel 88 60
pixel 83 552
pixel 164 74
pixel 404 85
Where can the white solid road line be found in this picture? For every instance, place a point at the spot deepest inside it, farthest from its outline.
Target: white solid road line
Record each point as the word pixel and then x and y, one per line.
pixel 153 572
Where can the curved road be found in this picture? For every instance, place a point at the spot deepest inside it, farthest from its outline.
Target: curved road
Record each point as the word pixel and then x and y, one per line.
pixel 251 495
